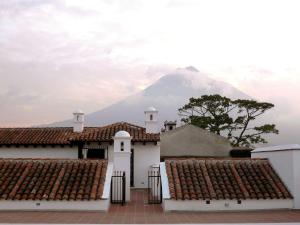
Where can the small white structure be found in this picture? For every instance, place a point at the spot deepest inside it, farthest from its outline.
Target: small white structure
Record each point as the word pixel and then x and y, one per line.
pixel 122 146
pixel 170 125
pixel 151 120
pixel 78 121
pixel 285 159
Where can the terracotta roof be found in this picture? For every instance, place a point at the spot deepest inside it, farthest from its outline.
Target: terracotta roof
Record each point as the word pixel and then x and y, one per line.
pixel 51 179
pixel 208 179
pixel 107 133
pixel 65 135
pixel 46 135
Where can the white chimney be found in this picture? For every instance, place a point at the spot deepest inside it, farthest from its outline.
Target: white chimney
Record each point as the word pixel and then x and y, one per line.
pixel 78 121
pixel 151 120
pixel 285 160
pixel 122 152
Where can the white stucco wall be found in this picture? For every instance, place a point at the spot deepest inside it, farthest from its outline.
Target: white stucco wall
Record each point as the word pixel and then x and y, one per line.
pixel 122 163
pixel 286 163
pixel 110 153
pixel 107 184
pixel 296 192
pixel 40 152
pixel 29 205
pixel 226 205
pixel 144 157
pixel 164 181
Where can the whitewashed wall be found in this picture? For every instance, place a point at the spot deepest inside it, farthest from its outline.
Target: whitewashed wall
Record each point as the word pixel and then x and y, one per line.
pixel 29 205
pixel 296 193
pixel 226 205
pixel 110 153
pixel 144 157
pixel 39 152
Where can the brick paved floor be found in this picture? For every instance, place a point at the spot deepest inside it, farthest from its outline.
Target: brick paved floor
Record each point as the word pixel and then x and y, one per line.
pixel 137 211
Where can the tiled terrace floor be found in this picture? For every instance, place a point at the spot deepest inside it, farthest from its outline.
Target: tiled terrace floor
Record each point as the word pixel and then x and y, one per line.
pixel 137 211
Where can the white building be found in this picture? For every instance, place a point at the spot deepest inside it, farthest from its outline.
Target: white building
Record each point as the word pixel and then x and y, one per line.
pixel 71 168
pixel 80 142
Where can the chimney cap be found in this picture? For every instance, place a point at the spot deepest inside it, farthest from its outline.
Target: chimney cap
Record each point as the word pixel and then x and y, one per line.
pixel 151 109
pixel 78 111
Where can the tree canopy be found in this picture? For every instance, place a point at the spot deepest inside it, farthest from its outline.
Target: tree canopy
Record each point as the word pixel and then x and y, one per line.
pixel 230 118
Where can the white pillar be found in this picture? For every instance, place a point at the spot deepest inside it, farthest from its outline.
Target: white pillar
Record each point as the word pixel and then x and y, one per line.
pixel 122 151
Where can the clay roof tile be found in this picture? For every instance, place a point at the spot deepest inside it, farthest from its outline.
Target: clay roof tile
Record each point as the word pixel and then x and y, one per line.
pixel 51 179
pixel 206 178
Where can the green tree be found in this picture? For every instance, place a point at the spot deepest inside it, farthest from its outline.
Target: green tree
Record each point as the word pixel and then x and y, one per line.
pixel 229 118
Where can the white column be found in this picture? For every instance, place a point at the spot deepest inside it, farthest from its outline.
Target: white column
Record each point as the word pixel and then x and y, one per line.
pixel 122 147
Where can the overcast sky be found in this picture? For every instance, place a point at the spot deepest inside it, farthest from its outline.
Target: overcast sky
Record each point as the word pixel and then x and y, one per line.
pixel 56 56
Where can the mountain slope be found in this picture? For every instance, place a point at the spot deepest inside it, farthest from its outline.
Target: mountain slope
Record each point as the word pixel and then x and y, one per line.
pixel 167 95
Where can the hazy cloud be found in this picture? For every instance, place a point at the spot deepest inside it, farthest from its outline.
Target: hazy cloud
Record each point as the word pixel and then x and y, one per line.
pixel 58 55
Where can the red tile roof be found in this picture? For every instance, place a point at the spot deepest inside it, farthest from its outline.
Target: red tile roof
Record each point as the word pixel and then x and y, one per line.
pixel 65 135
pixel 208 179
pixel 107 133
pixel 51 179
pixel 46 135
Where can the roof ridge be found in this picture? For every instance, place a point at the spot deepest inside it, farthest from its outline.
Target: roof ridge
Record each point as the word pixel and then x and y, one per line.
pixel 52 159
pixel 27 128
pixel 65 135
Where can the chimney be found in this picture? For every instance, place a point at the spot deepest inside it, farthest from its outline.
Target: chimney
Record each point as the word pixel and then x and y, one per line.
pixel 151 120
pixel 285 160
pixel 78 121
pixel 170 125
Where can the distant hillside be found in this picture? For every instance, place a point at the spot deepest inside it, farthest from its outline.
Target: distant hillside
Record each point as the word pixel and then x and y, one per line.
pixel 167 95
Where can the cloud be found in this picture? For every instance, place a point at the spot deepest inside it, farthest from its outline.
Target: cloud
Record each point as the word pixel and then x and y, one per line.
pixel 58 55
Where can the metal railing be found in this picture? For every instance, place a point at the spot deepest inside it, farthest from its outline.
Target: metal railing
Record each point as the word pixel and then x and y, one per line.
pixel 154 187
pixel 117 188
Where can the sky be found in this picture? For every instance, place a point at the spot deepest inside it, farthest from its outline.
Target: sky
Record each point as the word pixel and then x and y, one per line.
pixel 60 55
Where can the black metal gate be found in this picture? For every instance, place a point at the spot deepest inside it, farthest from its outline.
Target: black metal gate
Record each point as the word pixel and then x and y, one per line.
pixel 154 187
pixel 132 168
pixel 117 188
